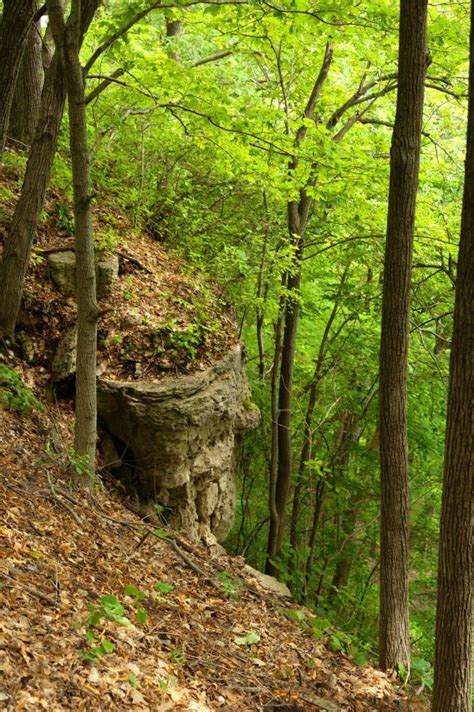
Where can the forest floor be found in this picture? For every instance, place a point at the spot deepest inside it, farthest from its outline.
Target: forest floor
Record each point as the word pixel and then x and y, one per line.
pixel 213 638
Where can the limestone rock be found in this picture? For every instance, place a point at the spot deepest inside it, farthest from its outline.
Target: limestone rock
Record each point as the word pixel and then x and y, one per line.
pixel 181 434
pixel 64 362
pixel 62 268
pixel 269 582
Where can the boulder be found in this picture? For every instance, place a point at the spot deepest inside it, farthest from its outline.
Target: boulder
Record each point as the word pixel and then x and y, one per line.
pixel 270 583
pixel 180 435
pixel 62 268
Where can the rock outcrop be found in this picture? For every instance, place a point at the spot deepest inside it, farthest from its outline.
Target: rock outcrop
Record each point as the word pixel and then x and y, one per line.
pixel 62 268
pixel 179 436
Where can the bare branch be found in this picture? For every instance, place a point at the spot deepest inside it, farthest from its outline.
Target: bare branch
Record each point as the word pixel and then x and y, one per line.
pixel 213 57
pixel 106 81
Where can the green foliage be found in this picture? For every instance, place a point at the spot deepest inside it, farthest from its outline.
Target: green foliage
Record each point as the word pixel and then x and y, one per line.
pixel 177 656
pixel 65 218
pixel 206 173
pixel 133 680
pixel 138 596
pixel 79 464
pixel 162 587
pixel 14 395
pixel 96 652
pixel 110 608
pixel 250 638
pixel 165 684
pixel 228 583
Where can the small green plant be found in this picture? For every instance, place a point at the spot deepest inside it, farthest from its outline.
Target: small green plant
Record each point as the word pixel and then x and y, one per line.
pixel 109 607
pixel 165 685
pixel 177 656
pixel 14 394
pixel 228 584
pixel 6 194
pixel 107 240
pixel 65 219
pixel 96 652
pixel 138 596
pixel 37 256
pixel 133 680
pixel 78 463
pixel 422 671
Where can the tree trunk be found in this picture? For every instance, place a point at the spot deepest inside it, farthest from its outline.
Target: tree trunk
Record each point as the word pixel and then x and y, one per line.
pixel 17 20
pixel 453 646
pixel 67 38
pixel 297 220
pixel 27 97
pixel 345 560
pixel 404 165
pixel 22 230
pixel 308 429
pixel 272 475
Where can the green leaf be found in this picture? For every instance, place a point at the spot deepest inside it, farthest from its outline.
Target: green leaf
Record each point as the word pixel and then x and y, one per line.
pixel 296 615
pixel 133 680
pixel 250 638
pixel 162 587
pixel 107 646
pixel 162 533
pixel 142 616
pixel 335 644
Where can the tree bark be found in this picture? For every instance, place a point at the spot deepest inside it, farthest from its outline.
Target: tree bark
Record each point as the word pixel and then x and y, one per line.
pixel 453 646
pixel 22 230
pixel 27 96
pixel 17 20
pixel 404 167
pixel 67 38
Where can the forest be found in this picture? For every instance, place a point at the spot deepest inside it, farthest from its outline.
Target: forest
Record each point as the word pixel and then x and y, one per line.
pixel 295 177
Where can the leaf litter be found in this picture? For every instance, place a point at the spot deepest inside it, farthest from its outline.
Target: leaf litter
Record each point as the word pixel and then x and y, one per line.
pixel 200 648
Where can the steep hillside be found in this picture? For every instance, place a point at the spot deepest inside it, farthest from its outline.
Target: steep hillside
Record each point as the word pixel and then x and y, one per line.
pixel 102 610
pixel 200 633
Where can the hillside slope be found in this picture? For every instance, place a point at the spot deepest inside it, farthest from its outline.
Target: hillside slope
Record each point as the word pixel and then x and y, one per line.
pixel 212 638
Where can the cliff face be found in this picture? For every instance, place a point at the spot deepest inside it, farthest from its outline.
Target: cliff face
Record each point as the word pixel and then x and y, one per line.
pixel 179 436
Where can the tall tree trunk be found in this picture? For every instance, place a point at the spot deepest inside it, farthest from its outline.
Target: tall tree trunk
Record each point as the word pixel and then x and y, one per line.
pixel 22 230
pixel 272 475
pixel 308 428
pixel 17 20
pixel 297 220
pixel 345 560
pixel 27 97
pixel 404 166
pixel 67 38
pixel 453 647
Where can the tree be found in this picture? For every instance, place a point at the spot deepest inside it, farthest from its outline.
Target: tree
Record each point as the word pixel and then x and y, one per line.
pixel 453 646
pixel 404 167
pixel 22 229
pixel 68 39
pixel 15 27
pixel 27 96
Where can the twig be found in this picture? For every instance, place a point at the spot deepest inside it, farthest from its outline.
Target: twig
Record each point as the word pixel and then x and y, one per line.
pixel 31 590
pixel 64 504
pixel 168 540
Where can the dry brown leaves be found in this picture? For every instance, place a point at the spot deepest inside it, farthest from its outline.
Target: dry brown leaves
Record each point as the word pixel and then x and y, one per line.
pixel 161 316
pixel 185 656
